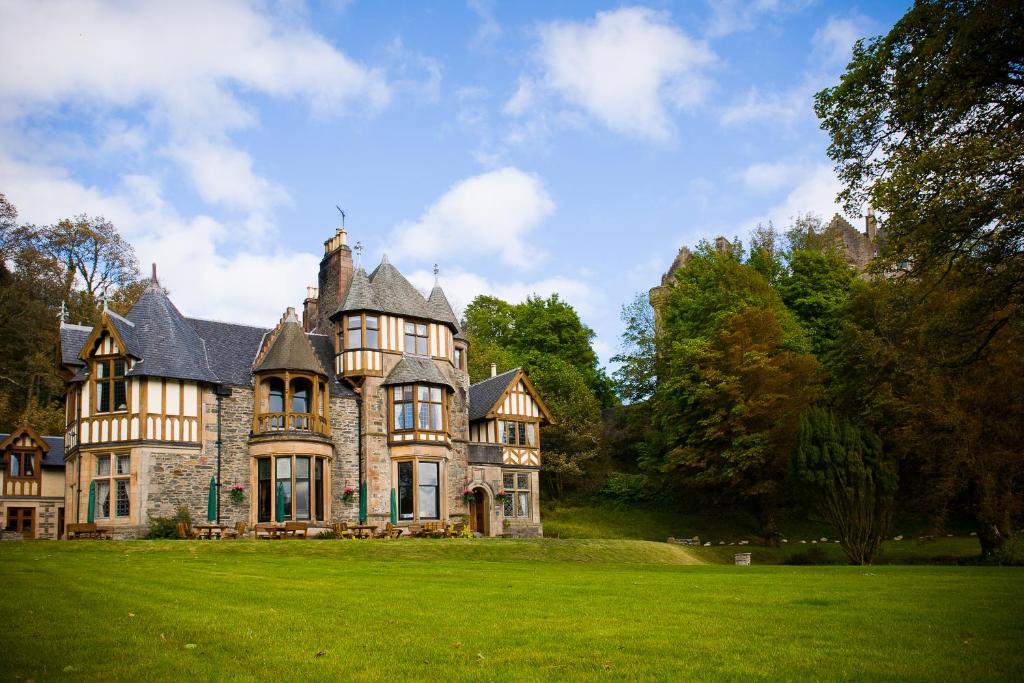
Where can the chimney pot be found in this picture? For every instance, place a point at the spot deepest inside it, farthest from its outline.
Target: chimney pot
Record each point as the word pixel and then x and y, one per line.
pixel 494 369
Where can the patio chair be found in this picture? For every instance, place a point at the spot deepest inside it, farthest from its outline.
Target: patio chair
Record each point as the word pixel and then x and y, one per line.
pixel 237 532
pixel 389 531
pixel 341 530
pixel 293 528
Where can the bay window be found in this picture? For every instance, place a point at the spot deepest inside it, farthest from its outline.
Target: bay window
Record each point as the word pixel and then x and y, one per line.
pixel 291 403
pixel 419 489
pixel 418 407
pixel 298 481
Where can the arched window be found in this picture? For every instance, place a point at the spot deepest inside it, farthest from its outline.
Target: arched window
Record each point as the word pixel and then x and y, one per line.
pixel 301 390
pixel 276 388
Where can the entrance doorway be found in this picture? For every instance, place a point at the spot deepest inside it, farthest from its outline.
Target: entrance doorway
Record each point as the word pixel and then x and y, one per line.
pixel 21 520
pixel 479 512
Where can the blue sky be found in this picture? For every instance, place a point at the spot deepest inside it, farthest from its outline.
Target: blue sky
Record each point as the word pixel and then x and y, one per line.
pixel 526 147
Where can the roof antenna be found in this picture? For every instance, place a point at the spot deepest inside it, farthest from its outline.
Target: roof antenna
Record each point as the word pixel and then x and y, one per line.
pixel 359 254
pixel 342 216
pixel 436 271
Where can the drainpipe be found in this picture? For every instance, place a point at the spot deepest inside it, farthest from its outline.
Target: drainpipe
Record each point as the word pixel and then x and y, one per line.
pixel 78 446
pixel 221 391
pixel 360 449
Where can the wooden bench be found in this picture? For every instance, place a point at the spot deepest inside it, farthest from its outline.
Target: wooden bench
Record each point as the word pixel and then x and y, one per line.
pixel 293 528
pixel 87 530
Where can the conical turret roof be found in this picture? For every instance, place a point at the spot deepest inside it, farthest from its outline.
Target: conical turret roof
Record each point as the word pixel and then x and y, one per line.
pixel 166 343
pixel 289 349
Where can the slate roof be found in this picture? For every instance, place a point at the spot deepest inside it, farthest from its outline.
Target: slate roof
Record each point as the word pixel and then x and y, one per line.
pixel 72 339
pixel 231 348
pixel 126 329
pixel 324 347
pixel 168 345
pixel 412 369
pixel 483 395
pixel 386 290
pixel 291 349
pixel 53 457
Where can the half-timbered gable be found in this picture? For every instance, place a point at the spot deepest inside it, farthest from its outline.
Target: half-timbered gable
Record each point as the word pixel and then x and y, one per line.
pixel 32 483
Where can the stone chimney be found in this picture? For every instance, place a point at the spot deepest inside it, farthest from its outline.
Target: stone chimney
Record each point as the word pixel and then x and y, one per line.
pixel 310 319
pixel 335 276
pixel 871 224
pixel 494 369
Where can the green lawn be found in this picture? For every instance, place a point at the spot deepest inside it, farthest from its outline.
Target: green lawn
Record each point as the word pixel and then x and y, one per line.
pixel 729 527
pixel 489 610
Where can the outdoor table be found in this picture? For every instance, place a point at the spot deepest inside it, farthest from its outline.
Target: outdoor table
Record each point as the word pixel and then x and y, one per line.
pixel 363 530
pixel 208 530
pixel 273 530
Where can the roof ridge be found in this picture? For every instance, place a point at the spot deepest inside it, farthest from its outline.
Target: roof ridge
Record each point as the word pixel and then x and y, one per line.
pixel 226 322
pixel 118 316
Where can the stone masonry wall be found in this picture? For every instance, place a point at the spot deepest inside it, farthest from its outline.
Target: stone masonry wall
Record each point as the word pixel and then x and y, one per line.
pixel 345 468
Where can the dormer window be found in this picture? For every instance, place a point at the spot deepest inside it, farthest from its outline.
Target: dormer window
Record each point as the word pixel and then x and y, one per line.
pixel 362 332
pixel 416 338
pixel 111 388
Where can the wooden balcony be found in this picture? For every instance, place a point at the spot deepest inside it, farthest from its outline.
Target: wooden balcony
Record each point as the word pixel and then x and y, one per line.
pixel 303 423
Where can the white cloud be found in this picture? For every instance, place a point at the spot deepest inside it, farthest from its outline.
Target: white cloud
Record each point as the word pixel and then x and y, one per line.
pixel 833 43
pixel 779 107
pixel 732 16
pixel 461 287
pixel 490 29
pixel 522 98
pixel 812 189
pixel 770 176
pixel 188 250
pixel 491 213
pixel 628 68
pixel 188 66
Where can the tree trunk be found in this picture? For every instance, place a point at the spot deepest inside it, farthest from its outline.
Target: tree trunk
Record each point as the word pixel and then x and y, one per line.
pixel 766 518
pixel 991 539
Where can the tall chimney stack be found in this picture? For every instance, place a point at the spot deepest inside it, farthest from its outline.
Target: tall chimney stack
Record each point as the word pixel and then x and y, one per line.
pixel 494 369
pixel 310 318
pixel 335 276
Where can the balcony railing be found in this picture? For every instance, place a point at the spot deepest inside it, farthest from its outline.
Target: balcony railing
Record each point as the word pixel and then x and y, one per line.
pixel 290 422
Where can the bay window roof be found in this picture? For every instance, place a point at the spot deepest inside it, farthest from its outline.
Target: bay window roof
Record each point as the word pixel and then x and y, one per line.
pixel 413 370
pixel 288 348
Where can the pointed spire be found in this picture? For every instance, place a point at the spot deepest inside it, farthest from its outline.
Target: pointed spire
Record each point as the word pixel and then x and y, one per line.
pixel 436 272
pixel 384 259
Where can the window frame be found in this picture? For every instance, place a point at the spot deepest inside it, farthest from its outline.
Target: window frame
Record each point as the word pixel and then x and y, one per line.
pixel 515 494
pixel 415 401
pixel 415 488
pixel 21 455
pixel 318 487
pixel 287 419
pixel 110 382
pixel 362 321
pixel 521 433
pixel 416 337
pixel 459 358
pixel 113 478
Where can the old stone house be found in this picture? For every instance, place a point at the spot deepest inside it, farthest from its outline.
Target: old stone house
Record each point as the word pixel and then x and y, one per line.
pixel 32 484
pixel 361 409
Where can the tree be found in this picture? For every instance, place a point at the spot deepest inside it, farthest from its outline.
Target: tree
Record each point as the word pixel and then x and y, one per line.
pixel 927 126
pixel 96 261
pixel 737 377
pixel 844 473
pixel 636 378
pixel 815 289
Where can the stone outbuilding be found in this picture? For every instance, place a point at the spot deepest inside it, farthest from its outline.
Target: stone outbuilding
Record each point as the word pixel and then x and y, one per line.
pixel 32 484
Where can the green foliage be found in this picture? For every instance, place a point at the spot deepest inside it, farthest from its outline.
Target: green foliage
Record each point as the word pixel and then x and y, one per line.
pixel 621 487
pixel 636 377
pixel 736 376
pixel 815 288
pixel 167 527
pixel 927 126
pixel 1012 552
pixel 842 471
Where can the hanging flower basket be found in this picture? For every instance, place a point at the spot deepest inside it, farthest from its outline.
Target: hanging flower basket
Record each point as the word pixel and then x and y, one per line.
pixel 348 495
pixel 237 494
pixel 502 495
pixel 468 496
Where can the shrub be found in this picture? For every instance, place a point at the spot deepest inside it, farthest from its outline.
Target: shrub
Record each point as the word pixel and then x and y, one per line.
pixel 167 527
pixel 326 534
pixel 1012 552
pixel 626 488
pixel 812 556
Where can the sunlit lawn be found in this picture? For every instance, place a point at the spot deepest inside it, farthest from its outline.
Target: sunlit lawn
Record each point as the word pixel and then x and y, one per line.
pixel 489 610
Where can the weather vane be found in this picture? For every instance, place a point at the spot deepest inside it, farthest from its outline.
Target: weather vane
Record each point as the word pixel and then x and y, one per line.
pixel 342 216
pixel 436 272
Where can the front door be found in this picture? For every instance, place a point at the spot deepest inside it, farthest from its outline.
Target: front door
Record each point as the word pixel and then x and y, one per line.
pixel 478 512
pixel 22 520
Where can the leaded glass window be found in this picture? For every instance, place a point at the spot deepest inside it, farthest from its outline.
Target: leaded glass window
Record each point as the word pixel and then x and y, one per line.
pixel 122 497
pixel 516 486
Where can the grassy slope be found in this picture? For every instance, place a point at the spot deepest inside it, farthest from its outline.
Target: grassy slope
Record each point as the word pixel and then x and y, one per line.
pixel 489 610
pixel 580 521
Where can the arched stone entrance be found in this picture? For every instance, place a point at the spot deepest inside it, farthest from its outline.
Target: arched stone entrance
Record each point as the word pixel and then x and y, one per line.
pixel 480 512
